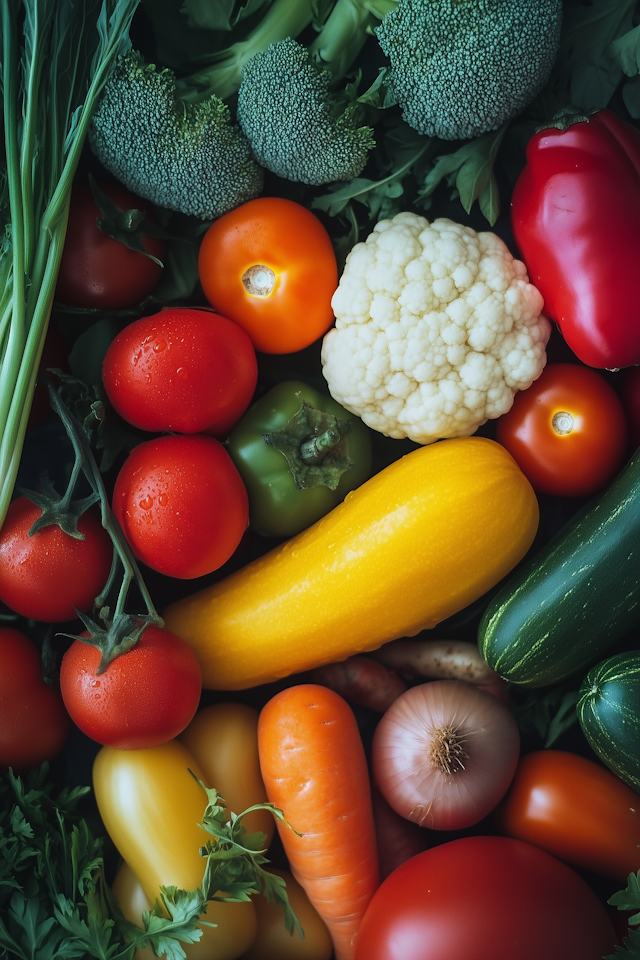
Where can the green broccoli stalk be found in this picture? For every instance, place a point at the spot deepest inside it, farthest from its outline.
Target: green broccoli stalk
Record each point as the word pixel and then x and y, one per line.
pixel 189 157
pixel 342 38
pixel 460 68
pixel 301 125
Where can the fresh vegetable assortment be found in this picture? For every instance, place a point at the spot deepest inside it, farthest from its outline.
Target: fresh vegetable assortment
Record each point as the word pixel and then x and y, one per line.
pixel 348 681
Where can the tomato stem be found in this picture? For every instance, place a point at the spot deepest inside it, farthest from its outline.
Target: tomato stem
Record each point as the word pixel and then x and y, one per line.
pixel 123 556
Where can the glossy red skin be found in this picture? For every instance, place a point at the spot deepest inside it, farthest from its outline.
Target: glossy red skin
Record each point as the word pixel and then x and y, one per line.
pixel 33 721
pixel 631 404
pixel 51 574
pixel 184 370
pixel 181 504
pixel 145 696
pixel 576 810
pixel 575 210
pixel 579 463
pixel 484 898
pixel 96 270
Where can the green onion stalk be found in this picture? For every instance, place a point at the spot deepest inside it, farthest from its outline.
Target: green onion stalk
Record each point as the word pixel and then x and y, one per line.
pixel 56 56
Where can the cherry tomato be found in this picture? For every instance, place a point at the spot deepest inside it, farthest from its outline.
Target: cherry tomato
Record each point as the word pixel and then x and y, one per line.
pixel 183 370
pixel 51 575
pixel 270 266
pixel 96 270
pixel 631 404
pixel 145 696
pixel 33 721
pixel 567 432
pixel 484 898
pixel 181 504
pixel 576 810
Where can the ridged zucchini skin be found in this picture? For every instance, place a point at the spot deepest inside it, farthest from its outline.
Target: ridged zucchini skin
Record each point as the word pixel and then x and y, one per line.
pixel 569 603
pixel 609 714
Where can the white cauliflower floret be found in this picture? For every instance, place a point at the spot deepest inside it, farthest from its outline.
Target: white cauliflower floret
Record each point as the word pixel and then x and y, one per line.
pixel 437 327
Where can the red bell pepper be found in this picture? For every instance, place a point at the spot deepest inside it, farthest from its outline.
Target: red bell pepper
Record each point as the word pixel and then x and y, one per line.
pixel 576 219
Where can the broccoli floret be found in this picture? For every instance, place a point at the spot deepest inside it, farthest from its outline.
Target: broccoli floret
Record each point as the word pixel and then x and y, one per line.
pixel 297 127
pixel 183 156
pixel 463 67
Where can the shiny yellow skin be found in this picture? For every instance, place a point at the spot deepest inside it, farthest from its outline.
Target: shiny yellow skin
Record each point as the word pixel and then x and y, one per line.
pixel 274 942
pixel 151 807
pixel 417 542
pixel 235 928
pixel 223 738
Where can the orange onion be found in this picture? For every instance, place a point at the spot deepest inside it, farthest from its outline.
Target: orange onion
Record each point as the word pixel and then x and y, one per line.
pixel 444 754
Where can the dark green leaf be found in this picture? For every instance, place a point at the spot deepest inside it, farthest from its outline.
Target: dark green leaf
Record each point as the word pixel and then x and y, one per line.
pixel 630 950
pixel 629 898
pixel 626 51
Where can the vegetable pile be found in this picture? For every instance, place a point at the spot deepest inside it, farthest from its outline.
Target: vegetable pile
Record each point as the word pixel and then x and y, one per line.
pixel 319 453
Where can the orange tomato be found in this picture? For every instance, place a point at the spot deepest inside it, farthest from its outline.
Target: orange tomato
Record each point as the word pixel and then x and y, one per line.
pixel 567 432
pixel 576 810
pixel 269 265
pixel 274 942
pixel 223 738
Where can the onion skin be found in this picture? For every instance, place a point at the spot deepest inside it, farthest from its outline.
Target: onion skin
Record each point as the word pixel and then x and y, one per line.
pixel 445 724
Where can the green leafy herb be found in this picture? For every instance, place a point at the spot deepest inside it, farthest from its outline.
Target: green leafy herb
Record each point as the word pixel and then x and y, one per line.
pixel 55 903
pixel 628 899
pixel 235 858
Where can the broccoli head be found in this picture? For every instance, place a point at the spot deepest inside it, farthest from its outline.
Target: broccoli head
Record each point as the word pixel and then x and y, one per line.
pixel 297 126
pixel 183 156
pixel 459 68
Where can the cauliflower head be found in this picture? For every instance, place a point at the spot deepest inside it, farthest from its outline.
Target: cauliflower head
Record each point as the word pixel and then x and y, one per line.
pixel 437 327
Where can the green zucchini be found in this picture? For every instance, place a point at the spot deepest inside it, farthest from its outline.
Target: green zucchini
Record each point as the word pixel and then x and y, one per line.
pixel 565 606
pixel 609 714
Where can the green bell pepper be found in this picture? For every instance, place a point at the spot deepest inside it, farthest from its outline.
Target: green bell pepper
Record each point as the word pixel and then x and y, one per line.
pixel 299 453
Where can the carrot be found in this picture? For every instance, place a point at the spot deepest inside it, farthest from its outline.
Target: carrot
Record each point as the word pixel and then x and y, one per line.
pixel 314 769
pixel 361 680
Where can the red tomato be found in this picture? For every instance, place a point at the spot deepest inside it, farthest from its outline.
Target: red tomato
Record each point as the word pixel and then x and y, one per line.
pixel 631 404
pixel 576 810
pixel 484 898
pixel 181 504
pixel 33 721
pixel 145 696
pixel 182 370
pixel 567 432
pixel 270 266
pixel 96 270
pixel 51 575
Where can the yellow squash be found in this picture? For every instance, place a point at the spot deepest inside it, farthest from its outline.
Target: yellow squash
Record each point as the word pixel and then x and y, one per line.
pixel 417 542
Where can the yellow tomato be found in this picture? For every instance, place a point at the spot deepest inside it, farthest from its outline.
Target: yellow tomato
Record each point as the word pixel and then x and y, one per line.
pixel 223 738
pixel 417 542
pixel 236 925
pixel 274 942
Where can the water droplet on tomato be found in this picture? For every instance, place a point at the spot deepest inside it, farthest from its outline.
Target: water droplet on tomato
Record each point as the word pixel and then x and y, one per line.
pixel 146 503
pixel 182 373
pixel 137 358
pixel 163 499
pixel 95 683
pixel 159 345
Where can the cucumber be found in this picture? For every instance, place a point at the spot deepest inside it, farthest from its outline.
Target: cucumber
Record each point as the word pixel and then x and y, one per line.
pixel 609 714
pixel 568 604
